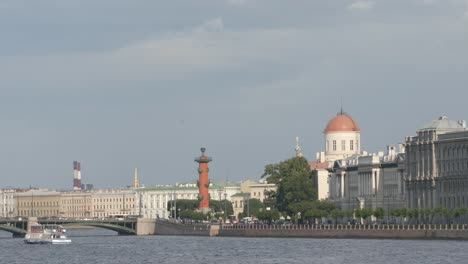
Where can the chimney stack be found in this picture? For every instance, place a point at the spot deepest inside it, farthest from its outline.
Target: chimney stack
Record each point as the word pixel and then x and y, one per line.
pixel 76 175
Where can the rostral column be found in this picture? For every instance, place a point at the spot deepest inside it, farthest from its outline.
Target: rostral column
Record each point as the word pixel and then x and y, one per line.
pixel 203 182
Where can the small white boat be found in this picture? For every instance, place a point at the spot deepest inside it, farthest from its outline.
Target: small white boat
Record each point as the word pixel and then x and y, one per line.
pixel 46 234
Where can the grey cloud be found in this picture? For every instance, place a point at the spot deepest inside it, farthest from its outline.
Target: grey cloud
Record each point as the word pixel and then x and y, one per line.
pixel 147 83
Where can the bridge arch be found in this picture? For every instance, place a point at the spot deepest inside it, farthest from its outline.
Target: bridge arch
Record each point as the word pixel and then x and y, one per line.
pixel 121 230
pixel 17 232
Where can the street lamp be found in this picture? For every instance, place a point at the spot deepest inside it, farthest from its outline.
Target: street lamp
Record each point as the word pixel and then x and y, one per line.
pixel 219 195
pixel 175 205
pixel 225 206
pixel 248 204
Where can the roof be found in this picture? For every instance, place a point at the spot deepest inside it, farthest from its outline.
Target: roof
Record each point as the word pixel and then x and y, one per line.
pixel 317 165
pixel 342 122
pixel 444 123
pixel 240 195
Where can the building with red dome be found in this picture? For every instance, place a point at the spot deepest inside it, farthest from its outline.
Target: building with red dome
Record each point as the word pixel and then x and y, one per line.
pixel 342 138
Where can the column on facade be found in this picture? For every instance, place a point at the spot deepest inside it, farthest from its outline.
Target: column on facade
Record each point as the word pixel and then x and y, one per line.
pixel 342 184
pixel 374 182
pixel 416 151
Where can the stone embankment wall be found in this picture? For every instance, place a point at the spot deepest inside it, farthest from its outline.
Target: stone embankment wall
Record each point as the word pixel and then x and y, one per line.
pixel 145 226
pixel 350 231
pixel 168 228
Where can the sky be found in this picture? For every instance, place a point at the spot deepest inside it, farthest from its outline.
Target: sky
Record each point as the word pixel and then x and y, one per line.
pixel 120 84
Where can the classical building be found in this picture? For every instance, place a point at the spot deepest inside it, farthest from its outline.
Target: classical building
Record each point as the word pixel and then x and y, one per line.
pixel 369 180
pixel 7 203
pixel 152 202
pixel 250 190
pixel 239 200
pixel 38 203
pixel 437 165
pixel 342 137
pixel 342 140
pixel 76 204
pixel 113 202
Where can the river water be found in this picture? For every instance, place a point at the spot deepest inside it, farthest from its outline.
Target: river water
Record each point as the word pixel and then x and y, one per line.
pixel 103 246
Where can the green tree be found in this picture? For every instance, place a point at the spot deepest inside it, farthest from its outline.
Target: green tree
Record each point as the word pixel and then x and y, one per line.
pixel 378 213
pixel 268 215
pixel 183 204
pixel 253 206
pixel 337 214
pixel 294 183
pixel 324 205
pixel 364 213
pixel 315 214
pixel 220 205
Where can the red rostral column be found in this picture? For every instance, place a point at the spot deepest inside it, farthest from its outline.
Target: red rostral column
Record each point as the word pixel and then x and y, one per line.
pixel 203 182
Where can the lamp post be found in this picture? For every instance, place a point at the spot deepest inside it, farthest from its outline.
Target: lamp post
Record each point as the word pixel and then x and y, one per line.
pixel 225 206
pixel 248 204
pixel 175 205
pixel 219 196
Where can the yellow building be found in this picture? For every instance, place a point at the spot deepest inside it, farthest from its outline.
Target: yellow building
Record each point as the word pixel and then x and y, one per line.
pixel 106 203
pixel 75 204
pixel 38 203
pixel 250 190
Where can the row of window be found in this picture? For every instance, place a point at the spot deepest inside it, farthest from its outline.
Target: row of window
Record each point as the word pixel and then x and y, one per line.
pixel 39 212
pixel 454 202
pixel 50 203
pixel 352 145
pixel 113 200
pixel 113 206
pixel 452 166
pixel 459 151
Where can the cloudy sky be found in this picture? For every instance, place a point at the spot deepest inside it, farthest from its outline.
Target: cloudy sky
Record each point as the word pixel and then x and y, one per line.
pixel 117 84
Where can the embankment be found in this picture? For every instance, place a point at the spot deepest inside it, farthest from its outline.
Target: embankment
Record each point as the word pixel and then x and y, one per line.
pixel 348 231
pixel 169 228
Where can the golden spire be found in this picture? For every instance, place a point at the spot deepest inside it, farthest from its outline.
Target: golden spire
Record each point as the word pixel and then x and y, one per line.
pixel 298 148
pixel 135 179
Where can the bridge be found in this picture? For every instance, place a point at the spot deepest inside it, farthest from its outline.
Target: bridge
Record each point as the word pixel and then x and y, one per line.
pixel 127 226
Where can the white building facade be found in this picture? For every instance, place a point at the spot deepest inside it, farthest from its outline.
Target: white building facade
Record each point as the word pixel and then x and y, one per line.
pixel 437 165
pixel 7 203
pixel 369 181
pixel 152 202
pixel 342 140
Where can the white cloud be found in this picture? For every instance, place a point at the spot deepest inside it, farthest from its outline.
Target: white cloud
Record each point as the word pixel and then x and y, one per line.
pixel 361 5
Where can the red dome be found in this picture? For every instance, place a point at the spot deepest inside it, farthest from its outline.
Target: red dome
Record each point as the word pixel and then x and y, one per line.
pixel 342 122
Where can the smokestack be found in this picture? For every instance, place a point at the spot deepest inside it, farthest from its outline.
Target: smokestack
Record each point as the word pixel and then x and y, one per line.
pixel 76 175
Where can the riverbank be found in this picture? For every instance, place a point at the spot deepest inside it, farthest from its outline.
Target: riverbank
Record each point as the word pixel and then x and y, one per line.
pixel 458 232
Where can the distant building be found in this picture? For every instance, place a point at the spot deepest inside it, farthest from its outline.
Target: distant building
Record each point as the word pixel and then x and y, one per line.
pixel 113 202
pixel 342 140
pixel 250 190
pixel 369 181
pixel 437 165
pixel 7 203
pixel 75 204
pixel 38 203
pixel 239 200
pixel 152 201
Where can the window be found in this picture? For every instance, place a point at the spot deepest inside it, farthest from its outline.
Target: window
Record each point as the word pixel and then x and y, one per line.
pixel 357 145
pixel 334 145
pixel 351 145
pixel 343 145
